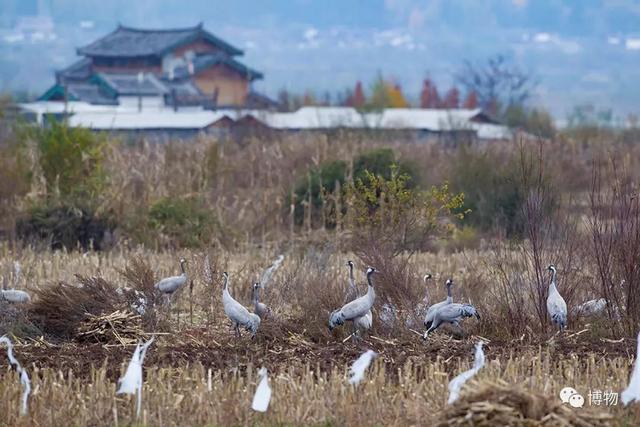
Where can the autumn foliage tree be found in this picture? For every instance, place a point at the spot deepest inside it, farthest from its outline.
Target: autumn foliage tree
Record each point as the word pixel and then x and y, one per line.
pixel 357 99
pixel 452 98
pixel 429 97
pixel 386 94
pixel 471 101
pixel 396 98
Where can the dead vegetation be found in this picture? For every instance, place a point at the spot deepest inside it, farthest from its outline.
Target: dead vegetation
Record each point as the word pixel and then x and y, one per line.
pixel 494 404
pixel 93 337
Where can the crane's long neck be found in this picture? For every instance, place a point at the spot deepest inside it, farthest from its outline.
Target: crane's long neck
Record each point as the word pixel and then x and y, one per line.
pixel 371 293
pixel 256 296
pixel 182 267
pixel 552 285
pixel 225 287
pixel 352 281
pixel 426 290
pixel 449 297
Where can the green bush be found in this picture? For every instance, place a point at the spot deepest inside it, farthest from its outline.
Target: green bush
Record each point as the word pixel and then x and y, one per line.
pixel 186 222
pixel 314 183
pixel 389 215
pixel 492 191
pixel 495 191
pixel 322 180
pixel 71 160
pixel 380 162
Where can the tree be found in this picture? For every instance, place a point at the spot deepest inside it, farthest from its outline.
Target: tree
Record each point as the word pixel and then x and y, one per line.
pixel 358 100
pixel 396 98
pixel 498 83
pixel 471 101
pixel 309 98
pixel 429 97
pixel 452 98
pixel 379 94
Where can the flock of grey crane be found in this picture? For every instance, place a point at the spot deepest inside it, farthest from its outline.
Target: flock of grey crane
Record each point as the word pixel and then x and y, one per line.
pixel 357 309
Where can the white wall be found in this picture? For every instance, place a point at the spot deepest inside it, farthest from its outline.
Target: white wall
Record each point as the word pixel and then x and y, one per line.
pixel 148 102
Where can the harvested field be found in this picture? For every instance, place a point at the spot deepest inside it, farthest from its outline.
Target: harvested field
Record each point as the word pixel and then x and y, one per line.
pixel 198 373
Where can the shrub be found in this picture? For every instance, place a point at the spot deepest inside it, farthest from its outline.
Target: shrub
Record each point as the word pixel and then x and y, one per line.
pixel 317 183
pixel 397 217
pixel 64 226
pixel 321 181
pixel 70 159
pixel 14 184
pixel 492 191
pixel 380 162
pixel 185 222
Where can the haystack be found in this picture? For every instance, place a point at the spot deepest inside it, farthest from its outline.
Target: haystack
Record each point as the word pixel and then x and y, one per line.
pixel 501 404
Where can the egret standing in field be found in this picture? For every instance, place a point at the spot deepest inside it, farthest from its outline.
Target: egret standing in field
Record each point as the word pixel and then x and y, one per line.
pixel 24 378
pixel 359 367
pixel 131 382
pixel 456 384
pixel 263 393
pixel 632 392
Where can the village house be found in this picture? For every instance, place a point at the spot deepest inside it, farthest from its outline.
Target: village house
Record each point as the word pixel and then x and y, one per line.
pixel 180 83
pixel 173 68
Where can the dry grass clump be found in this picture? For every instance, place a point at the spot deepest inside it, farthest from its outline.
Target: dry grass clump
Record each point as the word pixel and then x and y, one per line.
pixel 60 309
pixel 140 292
pixel 502 404
pixel 122 327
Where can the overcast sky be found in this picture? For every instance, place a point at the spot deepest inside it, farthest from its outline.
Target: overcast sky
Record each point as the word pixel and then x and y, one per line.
pixel 583 51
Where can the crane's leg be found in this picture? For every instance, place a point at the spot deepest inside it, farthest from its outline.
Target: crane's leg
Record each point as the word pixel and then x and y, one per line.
pixel 434 326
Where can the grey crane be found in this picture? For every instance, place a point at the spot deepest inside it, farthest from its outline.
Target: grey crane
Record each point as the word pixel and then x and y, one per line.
pixel 420 310
pixel 259 308
pixel 589 308
pixel 431 311
pixel 169 285
pixel 237 313
pixel 362 323
pixel 356 308
pixel 14 296
pixel 597 307
pixel 268 273
pixel 451 313
pixel 556 306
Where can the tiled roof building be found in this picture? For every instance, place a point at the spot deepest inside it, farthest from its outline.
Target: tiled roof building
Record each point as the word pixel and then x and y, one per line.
pixel 175 67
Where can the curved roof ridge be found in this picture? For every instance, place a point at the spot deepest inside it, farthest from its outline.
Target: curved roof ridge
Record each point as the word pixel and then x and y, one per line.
pixel 160 30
